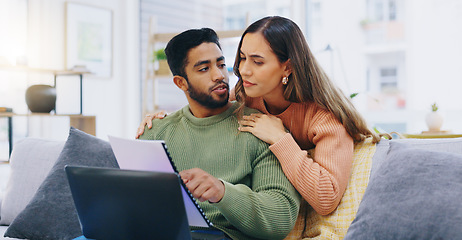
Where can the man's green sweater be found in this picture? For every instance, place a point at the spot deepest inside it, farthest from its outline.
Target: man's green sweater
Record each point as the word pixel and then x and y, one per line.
pixel 259 201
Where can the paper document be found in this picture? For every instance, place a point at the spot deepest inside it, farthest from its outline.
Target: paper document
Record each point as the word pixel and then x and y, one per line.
pixel 152 155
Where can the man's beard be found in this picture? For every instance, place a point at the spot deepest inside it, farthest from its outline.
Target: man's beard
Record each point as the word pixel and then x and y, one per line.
pixel 207 100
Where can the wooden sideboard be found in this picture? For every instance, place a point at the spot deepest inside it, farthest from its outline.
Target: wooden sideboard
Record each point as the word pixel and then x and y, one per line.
pixel 81 122
pixel 429 135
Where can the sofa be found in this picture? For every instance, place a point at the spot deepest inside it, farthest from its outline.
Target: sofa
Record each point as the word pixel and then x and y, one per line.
pixel 414 189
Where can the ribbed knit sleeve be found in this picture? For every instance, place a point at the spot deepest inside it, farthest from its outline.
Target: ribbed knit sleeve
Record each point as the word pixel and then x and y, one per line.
pixel 322 179
pixel 268 209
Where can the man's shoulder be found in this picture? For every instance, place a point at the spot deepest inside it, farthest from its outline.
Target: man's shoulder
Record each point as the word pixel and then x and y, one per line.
pixel 159 126
pixel 171 116
pixel 170 119
pixel 248 110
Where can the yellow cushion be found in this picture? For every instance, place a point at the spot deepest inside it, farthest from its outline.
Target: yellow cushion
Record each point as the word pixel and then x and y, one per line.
pixel 311 225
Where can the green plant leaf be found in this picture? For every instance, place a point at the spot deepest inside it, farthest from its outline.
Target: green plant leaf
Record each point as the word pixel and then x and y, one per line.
pixel 353 95
pixel 159 54
pixel 434 107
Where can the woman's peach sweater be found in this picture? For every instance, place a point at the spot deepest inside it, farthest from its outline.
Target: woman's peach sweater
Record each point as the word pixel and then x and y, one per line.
pixel 322 179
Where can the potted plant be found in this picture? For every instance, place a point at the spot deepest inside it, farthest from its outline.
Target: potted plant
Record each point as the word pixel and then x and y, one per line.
pixel 159 55
pixel 160 59
pixel 433 119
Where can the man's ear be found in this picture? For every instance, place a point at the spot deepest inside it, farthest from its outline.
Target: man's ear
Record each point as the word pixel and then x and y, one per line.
pixel 181 82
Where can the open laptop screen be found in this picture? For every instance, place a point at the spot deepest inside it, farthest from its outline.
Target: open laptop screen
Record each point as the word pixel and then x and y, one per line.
pixel 125 204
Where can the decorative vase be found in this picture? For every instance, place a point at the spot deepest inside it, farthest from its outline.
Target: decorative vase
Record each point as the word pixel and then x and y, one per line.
pixel 41 98
pixel 434 121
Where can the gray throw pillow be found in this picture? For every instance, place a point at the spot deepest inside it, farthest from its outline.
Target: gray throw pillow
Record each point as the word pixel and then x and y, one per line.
pixel 51 213
pixel 30 162
pixel 415 194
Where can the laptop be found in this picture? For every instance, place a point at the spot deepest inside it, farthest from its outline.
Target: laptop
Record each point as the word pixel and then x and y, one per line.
pixel 126 204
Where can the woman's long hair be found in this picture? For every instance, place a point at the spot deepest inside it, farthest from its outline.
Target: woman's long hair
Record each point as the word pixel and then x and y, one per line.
pixel 308 83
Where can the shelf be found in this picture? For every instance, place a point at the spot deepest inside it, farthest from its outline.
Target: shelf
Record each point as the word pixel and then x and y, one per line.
pixel 165 37
pixel 55 73
pixel 42 70
pixel 82 122
pixel 426 135
pixel 85 123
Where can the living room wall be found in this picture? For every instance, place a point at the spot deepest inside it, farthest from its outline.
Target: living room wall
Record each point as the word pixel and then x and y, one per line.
pixel 115 101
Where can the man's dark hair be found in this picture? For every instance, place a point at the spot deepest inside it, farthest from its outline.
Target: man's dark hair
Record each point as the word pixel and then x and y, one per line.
pixel 178 47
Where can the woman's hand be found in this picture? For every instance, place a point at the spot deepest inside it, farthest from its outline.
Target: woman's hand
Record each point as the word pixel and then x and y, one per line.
pixel 266 127
pixel 148 121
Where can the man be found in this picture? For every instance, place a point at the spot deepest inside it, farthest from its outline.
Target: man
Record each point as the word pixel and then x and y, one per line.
pixel 238 181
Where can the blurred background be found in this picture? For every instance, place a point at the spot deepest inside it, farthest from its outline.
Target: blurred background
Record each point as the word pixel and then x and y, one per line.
pixel 397 57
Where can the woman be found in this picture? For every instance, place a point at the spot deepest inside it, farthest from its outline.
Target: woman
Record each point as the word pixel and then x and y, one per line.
pixel 279 76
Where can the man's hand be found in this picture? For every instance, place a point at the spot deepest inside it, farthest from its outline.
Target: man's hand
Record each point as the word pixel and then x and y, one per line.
pixel 202 185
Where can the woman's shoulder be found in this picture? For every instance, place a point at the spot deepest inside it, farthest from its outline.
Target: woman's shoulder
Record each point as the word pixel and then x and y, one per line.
pixel 314 112
pixel 309 108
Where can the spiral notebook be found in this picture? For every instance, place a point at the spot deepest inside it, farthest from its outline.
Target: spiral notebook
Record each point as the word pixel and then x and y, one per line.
pixel 152 155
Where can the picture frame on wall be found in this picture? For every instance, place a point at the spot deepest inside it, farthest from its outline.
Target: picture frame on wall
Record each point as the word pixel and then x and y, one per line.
pixel 89 39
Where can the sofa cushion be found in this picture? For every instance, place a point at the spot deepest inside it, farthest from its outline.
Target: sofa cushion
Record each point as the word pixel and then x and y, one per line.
pixel 414 194
pixel 30 162
pixel 51 213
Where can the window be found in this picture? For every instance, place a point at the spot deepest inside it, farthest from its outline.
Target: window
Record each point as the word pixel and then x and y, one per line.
pixel 388 79
pixel 392 10
pixel 378 11
pixel 13 47
pixel 382 10
pixel 13 23
pixel 314 22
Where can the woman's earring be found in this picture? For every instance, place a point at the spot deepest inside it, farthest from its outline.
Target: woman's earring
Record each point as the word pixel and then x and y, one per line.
pixel 285 80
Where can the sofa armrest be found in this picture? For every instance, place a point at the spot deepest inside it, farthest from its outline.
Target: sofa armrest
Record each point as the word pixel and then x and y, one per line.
pixel 451 145
pixel 4 176
pixel 30 162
